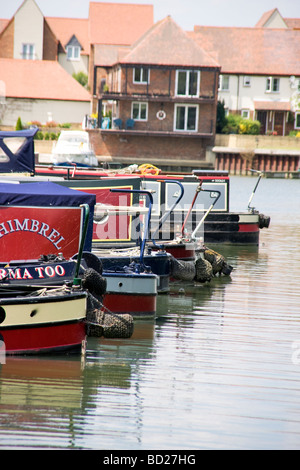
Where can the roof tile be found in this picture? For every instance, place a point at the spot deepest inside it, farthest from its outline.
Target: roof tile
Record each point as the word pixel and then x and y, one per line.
pixel 258 51
pixel 167 44
pixel 118 23
pixel 40 79
pixel 65 28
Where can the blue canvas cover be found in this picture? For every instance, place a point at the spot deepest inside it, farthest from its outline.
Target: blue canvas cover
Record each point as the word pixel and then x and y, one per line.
pixel 45 194
pixel 22 160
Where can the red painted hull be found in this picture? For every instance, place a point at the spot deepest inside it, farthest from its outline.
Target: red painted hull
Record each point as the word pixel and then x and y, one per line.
pixel 44 339
pixel 248 228
pixel 39 321
pixel 137 305
pixel 181 251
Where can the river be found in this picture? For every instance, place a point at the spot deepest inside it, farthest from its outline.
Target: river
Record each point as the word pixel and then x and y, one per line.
pixel 219 368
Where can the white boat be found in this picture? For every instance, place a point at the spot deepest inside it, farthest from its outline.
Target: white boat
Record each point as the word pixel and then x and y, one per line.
pixel 74 147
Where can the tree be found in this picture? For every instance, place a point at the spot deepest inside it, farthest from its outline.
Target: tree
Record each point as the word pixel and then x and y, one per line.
pixel 221 118
pixel 81 78
pixel 19 125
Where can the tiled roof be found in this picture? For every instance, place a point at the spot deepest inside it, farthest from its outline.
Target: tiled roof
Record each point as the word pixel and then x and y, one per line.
pixel 64 28
pixel 250 51
pixel 118 23
pixel 293 23
pixel 272 105
pixel 167 44
pixel 107 56
pixel 39 79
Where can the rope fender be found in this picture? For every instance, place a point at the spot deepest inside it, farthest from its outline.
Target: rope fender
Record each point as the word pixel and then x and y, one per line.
pixel 206 265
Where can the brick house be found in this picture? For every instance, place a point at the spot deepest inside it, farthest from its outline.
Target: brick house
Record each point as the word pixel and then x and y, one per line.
pixel 163 98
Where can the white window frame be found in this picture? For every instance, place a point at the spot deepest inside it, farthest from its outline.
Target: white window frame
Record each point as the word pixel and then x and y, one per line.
pixel 73 52
pixel 245 113
pixel 186 106
pixel 222 82
pixel 28 51
pixel 187 83
pixel 247 81
pixel 139 105
pixel 141 81
pixel 297 116
pixel 270 84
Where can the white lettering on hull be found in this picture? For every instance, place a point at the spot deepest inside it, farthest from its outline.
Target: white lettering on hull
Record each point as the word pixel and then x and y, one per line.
pixel 34 226
pixel 40 272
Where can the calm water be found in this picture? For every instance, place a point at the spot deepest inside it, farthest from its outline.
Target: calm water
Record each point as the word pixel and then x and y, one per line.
pixel 218 369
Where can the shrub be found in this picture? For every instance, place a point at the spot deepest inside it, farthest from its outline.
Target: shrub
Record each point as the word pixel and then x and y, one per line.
pixel 235 124
pixel 19 125
pixel 66 125
pixel 221 118
pixel 81 78
pixel 35 123
pixel 232 122
pixel 51 124
pixel 39 135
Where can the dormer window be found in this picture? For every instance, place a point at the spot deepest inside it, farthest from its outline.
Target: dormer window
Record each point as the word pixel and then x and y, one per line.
pixel 73 52
pixel 73 49
pixel 28 51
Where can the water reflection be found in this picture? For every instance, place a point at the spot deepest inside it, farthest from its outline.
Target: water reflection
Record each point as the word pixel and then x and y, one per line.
pixel 44 402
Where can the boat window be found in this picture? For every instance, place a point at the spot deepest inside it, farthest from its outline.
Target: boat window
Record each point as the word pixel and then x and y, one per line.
pixel 13 144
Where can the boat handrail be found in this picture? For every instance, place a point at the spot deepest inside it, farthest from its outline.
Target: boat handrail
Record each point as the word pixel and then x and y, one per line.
pixel 166 215
pixel 86 210
pixel 147 225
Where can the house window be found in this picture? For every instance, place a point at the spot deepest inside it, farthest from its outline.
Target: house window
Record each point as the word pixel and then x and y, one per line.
pixel 186 118
pixel 28 51
pixel 272 85
pixel 224 82
pixel 139 111
pixel 141 75
pixel 187 82
pixel 247 81
pixel 245 113
pixel 297 121
pixel 73 52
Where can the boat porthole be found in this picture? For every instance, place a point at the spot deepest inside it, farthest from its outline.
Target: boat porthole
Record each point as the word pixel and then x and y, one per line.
pixel 120 284
pixel 2 315
pixel 34 312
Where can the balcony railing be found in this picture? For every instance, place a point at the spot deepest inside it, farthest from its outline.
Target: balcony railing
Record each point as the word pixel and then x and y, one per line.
pixel 121 127
pixel 158 97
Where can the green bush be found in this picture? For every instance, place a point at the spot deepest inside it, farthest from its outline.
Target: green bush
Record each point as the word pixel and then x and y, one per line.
pixel 53 136
pixel 39 135
pixel 81 78
pixel 66 125
pixel 235 124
